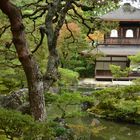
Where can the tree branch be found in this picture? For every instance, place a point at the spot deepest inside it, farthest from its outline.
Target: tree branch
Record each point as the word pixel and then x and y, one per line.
pixel 42 33
pixel 3 29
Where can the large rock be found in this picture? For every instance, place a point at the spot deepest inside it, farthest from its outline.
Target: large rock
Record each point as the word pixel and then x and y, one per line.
pixel 17 100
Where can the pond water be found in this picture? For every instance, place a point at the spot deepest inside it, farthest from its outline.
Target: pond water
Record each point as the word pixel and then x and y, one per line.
pixel 108 130
pixel 119 131
pixel 89 128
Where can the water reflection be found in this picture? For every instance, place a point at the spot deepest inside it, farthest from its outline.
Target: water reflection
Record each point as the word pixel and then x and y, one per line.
pixel 108 130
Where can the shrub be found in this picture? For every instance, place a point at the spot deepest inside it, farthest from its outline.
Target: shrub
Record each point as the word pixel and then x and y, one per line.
pixel 118 103
pixel 68 77
pixel 13 124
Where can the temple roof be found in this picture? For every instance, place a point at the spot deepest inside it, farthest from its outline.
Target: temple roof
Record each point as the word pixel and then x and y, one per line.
pixel 114 50
pixel 124 13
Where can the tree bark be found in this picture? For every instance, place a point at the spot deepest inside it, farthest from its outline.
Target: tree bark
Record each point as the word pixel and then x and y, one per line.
pixel 52 33
pixel 33 75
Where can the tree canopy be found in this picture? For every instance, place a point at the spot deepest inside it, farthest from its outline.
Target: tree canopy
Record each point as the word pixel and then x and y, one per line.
pixel 29 19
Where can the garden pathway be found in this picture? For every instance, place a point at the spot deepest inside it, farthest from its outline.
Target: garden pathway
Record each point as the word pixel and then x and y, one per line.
pixel 93 82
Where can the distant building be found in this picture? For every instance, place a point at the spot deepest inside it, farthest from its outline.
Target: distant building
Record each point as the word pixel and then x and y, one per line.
pixel 121 42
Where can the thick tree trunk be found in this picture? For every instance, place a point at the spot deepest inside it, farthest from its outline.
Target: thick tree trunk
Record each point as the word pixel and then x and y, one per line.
pixel 34 78
pixel 51 74
pixel 52 33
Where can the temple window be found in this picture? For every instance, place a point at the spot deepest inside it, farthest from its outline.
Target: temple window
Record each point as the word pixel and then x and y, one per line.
pixel 114 33
pixel 129 33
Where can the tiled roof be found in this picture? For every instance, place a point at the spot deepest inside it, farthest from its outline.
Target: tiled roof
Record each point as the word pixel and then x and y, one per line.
pixel 124 13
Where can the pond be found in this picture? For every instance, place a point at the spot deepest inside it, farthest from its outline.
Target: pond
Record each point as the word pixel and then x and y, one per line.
pixel 89 128
pixel 108 130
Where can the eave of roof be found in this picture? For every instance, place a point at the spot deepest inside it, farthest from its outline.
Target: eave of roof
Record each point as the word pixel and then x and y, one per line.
pixel 114 50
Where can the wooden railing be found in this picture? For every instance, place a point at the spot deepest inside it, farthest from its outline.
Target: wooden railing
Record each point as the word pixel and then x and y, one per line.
pixel 122 41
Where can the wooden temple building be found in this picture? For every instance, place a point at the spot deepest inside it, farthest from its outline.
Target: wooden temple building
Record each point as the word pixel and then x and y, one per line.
pixel 119 43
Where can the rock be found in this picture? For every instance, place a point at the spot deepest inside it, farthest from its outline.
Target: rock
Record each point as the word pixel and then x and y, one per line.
pixel 85 105
pixel 95 122
pixel 24 108
pixel 16 100
pixel 54 90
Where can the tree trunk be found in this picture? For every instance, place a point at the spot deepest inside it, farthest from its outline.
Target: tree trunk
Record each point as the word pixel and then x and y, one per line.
pixel 52 33
pixel 51 74
pixel 34 78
